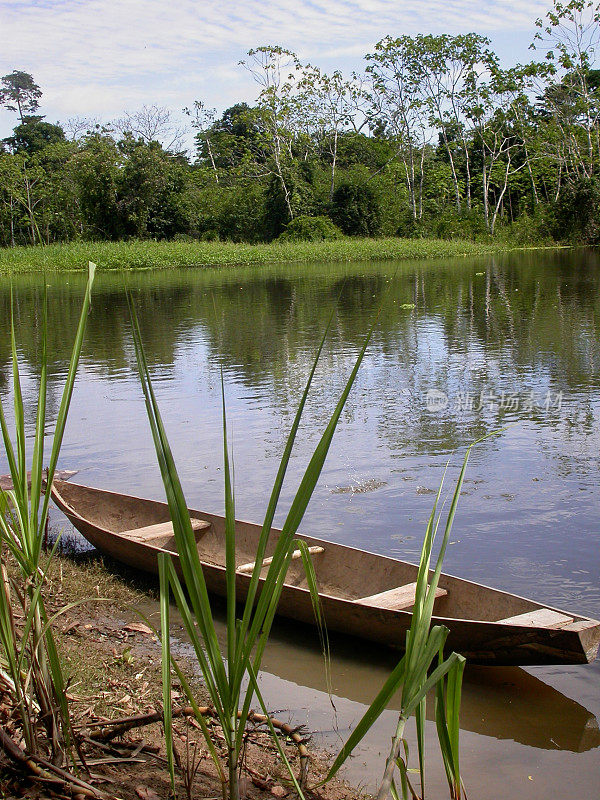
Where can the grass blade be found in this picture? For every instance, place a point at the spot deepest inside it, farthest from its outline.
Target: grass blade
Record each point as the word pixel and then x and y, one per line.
pixel 230 576
pixel 37 463
pixel 61 419
pixel 163 574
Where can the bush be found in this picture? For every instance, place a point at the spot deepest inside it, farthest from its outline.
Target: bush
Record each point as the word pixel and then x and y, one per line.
pixel 355 210
pixel 577 213
pixel 300 197
pixel 528 229
pixel 411 228
pixel 450 224
pixel 310 229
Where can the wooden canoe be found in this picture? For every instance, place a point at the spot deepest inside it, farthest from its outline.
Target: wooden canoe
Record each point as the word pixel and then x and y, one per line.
pixel 362 594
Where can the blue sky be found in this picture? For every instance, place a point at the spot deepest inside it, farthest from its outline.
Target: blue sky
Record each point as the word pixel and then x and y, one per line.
pixel 103 57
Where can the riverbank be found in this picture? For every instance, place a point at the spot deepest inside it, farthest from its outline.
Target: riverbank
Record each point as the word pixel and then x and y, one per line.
pixel 147 254
pixel 113 662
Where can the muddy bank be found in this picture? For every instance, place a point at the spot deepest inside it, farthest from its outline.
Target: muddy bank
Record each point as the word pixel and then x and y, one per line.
pixel 112 658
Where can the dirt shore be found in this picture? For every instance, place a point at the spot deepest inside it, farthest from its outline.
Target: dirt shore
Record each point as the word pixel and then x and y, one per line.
pixel 112 659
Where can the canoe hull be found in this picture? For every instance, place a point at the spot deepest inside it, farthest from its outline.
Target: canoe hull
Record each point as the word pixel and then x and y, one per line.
pixel 486 642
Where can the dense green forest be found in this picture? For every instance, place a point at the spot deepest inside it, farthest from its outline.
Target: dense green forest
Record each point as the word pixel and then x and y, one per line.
pixel 434 139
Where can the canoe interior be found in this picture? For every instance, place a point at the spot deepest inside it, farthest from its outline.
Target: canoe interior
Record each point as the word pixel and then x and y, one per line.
pixel 342 572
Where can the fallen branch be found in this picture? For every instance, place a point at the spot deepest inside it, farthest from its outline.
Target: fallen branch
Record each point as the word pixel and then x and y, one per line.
pixel 106 731
pixel 43 770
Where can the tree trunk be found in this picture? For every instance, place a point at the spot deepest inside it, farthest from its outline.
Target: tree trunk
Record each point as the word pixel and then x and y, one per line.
pixel 421 178
pixel 500 199
pixel 29 207
pixel 333 165
pixel 468 171
pixel 486 208
pixel 12 223
pixel 212 160
pixel 453 168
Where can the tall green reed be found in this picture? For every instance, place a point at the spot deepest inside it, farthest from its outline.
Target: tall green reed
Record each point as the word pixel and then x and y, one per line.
pixel 28 653
pixel 414 677
pixel 231 678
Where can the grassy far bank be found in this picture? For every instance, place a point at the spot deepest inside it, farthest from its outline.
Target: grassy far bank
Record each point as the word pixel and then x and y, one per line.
pixel 149 254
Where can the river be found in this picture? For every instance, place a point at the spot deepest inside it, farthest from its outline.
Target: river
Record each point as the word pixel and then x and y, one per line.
pixel 507 343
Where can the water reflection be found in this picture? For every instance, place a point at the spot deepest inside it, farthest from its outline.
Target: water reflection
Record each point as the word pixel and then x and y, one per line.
pixel 505 703
pixel 517 326
pixel 528 520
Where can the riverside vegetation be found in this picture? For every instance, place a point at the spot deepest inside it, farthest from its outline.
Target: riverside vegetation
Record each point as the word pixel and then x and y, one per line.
pixel 436 139
pixel 149 254
pixel 40 734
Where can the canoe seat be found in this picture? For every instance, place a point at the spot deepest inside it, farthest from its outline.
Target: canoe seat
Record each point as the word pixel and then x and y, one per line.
pixel 541 618
pixel 150 533
pixel 396 599
pixel 249 567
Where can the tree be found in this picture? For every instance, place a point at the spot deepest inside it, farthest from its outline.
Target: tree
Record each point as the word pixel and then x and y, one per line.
pixel 500 128
pixel 150 185
pixel 268 66
pixel 396 104
pixel 234 142
pixel 77 127
pixel 451 69
pixel 355 210
pixel 570 34
pixel 327 104
pixel 96 168
pixel 202 120
pixel 33 135
pixel 151 124
pixel 20 93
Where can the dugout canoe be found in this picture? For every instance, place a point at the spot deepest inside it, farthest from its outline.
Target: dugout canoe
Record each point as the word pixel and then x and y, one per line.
pixel 362 594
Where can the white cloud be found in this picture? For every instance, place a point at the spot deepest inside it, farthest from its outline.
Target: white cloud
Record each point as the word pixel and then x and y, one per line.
pixel 101 56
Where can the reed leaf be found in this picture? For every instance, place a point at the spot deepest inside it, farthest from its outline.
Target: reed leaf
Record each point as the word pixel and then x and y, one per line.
pixel 246 638
pixel 165 639
pixel 412 674
pixel 30 653
pixel 447 710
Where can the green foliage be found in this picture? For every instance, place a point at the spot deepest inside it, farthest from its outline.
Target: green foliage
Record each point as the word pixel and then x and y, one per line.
pixel 147 254
pixel 310 229
pixel 354 208
pixel 450 224
pixel 20 93
pixel 33 135
pixel 28 653
pixel 227 211
pixel 577 213
pixel 231 679
pixel 233 140
pixel 293 192
pixel 357 148
pixel 150 188
pixel 529 229
pixel 95 171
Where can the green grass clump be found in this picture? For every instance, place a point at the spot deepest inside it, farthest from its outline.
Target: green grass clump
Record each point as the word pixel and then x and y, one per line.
pixel 29 659
pixel 149 254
